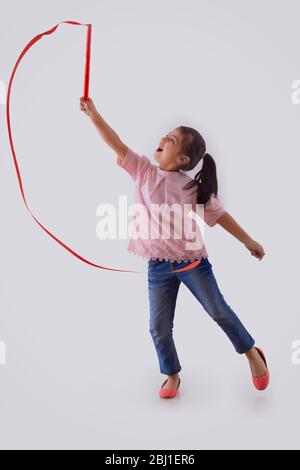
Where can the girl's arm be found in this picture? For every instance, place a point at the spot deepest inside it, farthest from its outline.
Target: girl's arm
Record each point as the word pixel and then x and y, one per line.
pixel 230 224
pixel 106 132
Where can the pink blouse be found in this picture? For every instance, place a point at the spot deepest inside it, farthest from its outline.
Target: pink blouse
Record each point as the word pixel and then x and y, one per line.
pixel 155 233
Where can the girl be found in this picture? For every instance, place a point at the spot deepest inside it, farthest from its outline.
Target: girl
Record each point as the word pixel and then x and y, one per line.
pixel 171 262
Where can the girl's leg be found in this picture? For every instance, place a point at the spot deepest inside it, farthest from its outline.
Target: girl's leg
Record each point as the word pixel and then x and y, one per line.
pixel 202 283
pixel 163 289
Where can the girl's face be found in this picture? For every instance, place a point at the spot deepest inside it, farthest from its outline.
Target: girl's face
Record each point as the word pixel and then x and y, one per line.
pixel 168 154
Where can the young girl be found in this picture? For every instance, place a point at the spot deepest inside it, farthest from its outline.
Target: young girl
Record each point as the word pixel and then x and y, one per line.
pixel 172 261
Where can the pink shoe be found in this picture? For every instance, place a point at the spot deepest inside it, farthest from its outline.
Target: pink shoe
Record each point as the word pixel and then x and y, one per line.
pixel 262 382
pixel 168 392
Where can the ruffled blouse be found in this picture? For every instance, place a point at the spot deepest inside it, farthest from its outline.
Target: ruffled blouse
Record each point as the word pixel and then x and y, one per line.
pixel 167 221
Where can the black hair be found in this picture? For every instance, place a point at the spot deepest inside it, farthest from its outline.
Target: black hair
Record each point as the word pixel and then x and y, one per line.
pixel 205 180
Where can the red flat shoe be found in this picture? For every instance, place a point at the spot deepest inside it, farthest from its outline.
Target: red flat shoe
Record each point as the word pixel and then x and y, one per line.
pixel 261 382
pixel 168 392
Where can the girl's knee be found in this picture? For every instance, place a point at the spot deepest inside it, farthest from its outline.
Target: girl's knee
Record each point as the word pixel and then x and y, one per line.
pixel 160 332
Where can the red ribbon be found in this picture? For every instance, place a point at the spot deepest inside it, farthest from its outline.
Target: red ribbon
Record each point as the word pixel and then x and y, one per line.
pixel 85 95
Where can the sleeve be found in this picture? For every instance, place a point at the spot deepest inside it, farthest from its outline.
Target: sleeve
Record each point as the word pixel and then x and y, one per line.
pixel 136 166
pixel 213 210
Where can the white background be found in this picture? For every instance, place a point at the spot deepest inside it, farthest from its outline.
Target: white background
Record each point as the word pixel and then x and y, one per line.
pixel 81 367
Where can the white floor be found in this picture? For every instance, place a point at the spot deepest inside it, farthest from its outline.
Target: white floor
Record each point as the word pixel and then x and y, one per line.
pixel 69 406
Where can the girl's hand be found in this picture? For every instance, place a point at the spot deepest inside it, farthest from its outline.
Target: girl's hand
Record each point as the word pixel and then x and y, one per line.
pixel 255 248
pixel 88 107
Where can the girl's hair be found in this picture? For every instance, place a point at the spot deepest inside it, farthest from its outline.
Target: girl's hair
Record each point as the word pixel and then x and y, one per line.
pixel 205 180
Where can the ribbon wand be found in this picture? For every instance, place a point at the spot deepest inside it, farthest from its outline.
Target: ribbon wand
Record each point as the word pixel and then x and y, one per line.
pixel 87 62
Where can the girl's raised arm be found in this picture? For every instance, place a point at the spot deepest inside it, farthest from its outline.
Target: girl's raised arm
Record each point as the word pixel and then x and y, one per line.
pixel 107 133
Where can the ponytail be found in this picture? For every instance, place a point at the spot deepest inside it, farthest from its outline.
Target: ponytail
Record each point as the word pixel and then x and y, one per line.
pixel 193 145
pixel 205 180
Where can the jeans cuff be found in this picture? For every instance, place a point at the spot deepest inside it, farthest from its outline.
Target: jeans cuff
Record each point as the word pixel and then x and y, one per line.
pixel 247 349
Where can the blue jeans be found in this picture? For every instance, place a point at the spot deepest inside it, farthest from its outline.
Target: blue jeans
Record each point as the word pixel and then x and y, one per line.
pixel 163 285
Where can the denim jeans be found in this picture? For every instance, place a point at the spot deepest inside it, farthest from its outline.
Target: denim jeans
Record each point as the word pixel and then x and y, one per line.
pixel 163 286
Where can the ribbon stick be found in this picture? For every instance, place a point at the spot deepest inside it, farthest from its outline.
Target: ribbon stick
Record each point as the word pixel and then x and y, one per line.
pixel 86 93
pixel 87 62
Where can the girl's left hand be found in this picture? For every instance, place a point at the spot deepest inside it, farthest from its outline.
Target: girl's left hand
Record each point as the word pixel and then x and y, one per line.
pixel 255 249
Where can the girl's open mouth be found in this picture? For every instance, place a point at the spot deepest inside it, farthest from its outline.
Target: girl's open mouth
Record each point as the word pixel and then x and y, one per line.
pixel 159 149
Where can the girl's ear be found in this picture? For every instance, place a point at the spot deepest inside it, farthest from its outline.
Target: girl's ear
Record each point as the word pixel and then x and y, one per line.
pixel 185 159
